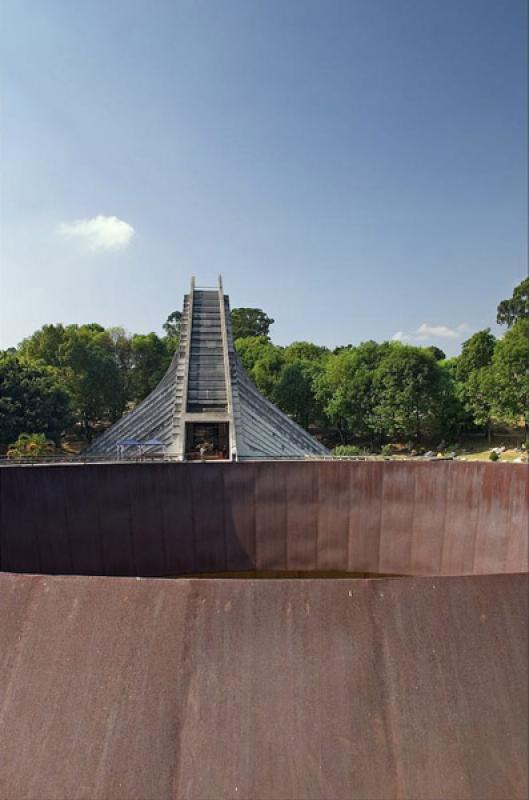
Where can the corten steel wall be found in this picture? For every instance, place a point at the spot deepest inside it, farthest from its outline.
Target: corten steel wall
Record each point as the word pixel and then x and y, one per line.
pixel 157 519
pixel 124 689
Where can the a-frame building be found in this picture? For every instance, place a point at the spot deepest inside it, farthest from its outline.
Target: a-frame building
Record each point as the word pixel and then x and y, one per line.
pixel 206 405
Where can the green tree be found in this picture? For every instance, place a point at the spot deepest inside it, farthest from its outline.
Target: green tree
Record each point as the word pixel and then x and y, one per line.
pixel 172 326
pixel 267 370
pixel 44 345
pixel 121 344
pixel 92 376
pixel 306 352
pixel 515 308
pixel 329 389
pixel 150 360
pixel 474 376
pixel 31 399
pixel 510 374
pixel 347 390
pixel 247 322
pixel 252 349
pixel 293 393
pixel 453 415
pixel 436 352
pixel 479 392
pixel 476 353
pixel 262 361
pixel 408 387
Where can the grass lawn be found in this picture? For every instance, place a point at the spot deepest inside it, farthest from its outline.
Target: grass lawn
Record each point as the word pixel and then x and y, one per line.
pixel 484 455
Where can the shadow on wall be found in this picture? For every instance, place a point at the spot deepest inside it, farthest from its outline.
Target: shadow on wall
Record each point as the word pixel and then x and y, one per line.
pixel 447 518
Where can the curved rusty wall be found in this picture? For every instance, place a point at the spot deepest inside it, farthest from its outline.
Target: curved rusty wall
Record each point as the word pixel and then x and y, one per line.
pixel 397 688
pixel 413 518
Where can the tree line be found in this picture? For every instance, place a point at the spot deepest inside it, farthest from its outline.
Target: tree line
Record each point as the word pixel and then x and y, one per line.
pixel 83 377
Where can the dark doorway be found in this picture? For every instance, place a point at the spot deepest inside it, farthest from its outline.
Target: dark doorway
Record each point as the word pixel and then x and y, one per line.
pixel 207 441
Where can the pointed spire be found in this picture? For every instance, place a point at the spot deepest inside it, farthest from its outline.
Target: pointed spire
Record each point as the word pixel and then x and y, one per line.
pixel 206 384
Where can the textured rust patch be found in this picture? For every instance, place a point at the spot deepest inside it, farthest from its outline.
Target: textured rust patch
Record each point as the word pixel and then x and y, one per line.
pixel 126 689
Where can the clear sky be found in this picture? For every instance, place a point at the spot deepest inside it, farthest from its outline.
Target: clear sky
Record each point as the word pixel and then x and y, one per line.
pixel 357 168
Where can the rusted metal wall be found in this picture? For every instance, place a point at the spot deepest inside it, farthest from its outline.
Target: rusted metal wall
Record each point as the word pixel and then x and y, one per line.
pixel 124 689
pixel 429 518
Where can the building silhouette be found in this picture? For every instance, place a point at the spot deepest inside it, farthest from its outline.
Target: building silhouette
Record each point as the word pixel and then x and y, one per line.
pixel 206 406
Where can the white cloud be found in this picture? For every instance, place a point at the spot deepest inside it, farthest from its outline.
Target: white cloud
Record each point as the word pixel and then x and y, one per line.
pixel 425 332
pixel 441 331
pixel 99 233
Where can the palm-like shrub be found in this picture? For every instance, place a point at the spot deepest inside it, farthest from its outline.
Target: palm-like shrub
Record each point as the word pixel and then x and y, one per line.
pixel 347 450
pixel 31 445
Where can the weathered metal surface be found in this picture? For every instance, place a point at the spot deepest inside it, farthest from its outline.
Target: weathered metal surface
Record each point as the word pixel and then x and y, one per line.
pixel 159 519
pixel 239 518
pixel 429 513
pixel 125 689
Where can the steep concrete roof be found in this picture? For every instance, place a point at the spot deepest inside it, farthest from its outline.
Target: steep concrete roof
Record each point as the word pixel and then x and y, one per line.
pixel 207 382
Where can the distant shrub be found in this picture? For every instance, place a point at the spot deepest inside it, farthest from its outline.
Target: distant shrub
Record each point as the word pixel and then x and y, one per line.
pixel 346 450
pixel 387 450
pixel 494 456
pixel 30 445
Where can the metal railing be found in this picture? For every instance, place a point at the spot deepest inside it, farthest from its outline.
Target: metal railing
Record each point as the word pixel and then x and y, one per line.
pixel 80 459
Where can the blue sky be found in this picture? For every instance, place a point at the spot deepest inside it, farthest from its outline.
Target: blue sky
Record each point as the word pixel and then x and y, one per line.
pixel 358 169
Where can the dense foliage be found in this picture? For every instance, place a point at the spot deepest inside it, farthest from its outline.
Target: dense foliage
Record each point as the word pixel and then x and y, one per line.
pixel 516 307
pixel 87 376
pixel 32 399
pixel 250 322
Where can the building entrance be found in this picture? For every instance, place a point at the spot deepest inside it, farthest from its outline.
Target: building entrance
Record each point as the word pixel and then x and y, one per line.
pixel 207 441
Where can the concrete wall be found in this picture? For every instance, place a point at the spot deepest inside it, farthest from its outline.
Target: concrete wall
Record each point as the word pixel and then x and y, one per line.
pixel 415 518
